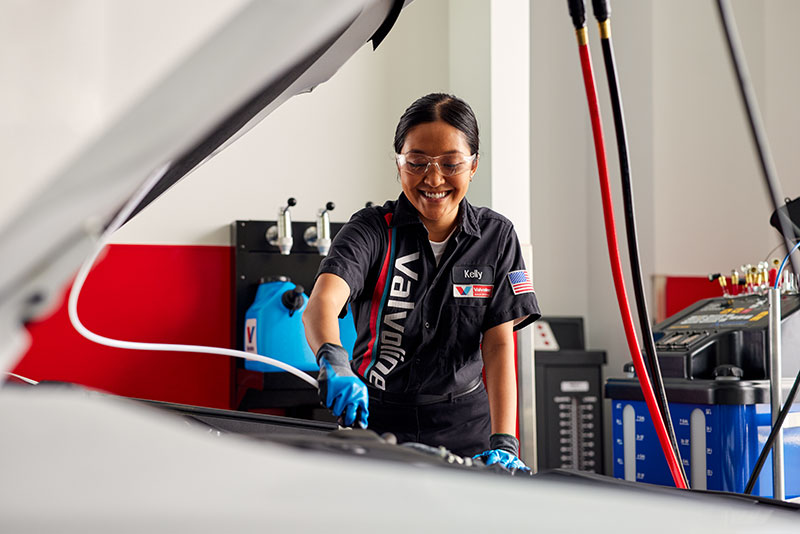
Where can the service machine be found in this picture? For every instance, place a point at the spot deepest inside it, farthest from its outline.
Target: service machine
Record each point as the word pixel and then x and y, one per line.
pixel 715 357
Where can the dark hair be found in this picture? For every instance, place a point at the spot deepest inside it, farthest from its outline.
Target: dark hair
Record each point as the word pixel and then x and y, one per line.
pixel 439 106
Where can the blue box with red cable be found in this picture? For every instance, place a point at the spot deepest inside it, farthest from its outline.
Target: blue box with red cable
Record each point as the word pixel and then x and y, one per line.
pixel 719 443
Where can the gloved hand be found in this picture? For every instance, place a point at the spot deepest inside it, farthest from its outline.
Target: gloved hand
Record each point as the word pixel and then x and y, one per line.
pixel 503 450
pixel 340 390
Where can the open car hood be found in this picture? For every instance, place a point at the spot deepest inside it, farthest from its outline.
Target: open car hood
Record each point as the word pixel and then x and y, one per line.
pixel 268 52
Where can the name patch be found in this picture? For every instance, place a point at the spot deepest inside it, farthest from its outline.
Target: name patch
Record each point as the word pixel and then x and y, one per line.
pixel 473 274
pixel 473 291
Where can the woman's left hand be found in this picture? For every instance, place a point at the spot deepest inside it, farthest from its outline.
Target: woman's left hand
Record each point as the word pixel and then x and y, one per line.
pixel 504 458
pixel 503 450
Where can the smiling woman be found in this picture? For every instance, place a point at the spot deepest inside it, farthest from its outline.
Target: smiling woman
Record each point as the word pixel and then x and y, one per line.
pixel 431 283
pixel 442 130
pixel 435 185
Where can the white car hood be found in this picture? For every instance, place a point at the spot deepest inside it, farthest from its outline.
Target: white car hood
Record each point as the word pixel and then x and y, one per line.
pixel 268 52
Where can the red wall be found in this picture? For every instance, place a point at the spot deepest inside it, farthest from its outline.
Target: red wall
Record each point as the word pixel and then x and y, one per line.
pixel 682 291
pixel 151 293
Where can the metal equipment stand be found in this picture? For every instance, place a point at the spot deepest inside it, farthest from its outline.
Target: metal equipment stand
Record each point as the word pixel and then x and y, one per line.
pixel 775 383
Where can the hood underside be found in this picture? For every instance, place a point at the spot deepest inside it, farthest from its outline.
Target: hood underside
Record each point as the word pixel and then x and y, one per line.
pixel 268 52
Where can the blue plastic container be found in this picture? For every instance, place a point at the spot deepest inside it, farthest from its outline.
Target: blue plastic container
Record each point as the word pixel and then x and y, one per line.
pixel 271 329
pixel 719 445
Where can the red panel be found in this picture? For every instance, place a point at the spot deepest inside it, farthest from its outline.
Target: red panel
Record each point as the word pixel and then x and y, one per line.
pixel 151 293
pixel 683 291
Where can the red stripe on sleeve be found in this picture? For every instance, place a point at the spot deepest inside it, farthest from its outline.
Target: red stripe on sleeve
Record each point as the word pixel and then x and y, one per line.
pixel 377 295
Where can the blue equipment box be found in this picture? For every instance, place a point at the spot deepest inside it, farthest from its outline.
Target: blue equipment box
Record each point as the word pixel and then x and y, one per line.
pixel 719 443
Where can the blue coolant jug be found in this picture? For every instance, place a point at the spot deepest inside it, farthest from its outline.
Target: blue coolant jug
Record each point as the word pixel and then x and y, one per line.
pixel 274 327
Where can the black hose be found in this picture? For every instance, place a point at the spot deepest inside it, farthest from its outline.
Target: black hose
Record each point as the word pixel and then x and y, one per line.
pixel 651 358
pixel 773 187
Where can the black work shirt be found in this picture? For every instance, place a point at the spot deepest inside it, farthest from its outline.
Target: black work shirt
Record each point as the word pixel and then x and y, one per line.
pixel 420 326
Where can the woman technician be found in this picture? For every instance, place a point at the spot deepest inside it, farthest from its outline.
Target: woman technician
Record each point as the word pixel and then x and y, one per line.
pixel 436 286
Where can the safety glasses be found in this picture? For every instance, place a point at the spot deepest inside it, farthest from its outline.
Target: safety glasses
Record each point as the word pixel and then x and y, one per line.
pixel 447 164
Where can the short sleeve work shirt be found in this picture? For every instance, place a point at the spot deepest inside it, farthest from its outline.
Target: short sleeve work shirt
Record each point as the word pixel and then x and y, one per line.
pixel 420 325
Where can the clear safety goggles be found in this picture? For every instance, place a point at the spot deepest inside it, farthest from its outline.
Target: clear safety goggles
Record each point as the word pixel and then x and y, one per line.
pixel 447 164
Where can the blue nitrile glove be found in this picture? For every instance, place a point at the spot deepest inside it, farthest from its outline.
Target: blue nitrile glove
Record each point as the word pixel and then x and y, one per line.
pixel 503 450
pixel 340 390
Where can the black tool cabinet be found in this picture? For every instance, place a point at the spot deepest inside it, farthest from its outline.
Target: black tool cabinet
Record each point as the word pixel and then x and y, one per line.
pixel 254 259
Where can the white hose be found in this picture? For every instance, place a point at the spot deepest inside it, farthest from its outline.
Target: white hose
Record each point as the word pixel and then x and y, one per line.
pixel 24 379
pixel 77 286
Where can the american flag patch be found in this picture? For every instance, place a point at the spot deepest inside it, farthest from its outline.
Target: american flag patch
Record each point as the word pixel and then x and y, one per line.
pixel 520 282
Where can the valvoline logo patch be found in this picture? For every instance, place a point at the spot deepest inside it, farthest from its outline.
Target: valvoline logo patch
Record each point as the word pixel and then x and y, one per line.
pixel 250 337
pixel 472 291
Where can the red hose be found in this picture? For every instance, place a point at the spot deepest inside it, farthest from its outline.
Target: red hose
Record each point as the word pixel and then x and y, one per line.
pixel 616 269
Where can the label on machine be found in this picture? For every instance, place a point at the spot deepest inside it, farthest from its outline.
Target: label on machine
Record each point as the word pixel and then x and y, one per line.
pixel 577 430
pixel 751 311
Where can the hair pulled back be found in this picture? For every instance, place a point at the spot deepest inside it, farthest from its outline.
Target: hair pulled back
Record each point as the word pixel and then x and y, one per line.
pixel 439 106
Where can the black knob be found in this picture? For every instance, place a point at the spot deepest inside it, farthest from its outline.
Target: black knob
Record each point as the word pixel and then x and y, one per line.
pixel 369 204
pixel 577 11
pixel 293 299
pixel 728 372
pixel 629 369
pixel 601 9
pixel 329 206
pixel 291 202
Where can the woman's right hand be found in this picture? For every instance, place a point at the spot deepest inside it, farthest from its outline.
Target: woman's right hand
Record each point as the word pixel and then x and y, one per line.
pixel 340 390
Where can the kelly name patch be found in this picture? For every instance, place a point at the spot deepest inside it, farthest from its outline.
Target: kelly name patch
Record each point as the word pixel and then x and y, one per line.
pixel 471 274
pixel 472 291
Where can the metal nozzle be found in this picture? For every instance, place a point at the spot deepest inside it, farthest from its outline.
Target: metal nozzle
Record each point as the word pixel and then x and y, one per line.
pixel 281 234
pixel 320 235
